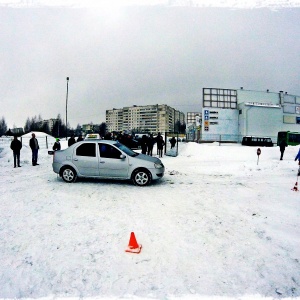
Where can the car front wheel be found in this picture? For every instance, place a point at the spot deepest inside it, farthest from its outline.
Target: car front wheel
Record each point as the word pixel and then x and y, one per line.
pixel 141 177
pixel 69 174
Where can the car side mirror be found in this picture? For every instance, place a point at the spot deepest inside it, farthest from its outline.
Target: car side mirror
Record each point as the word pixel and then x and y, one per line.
pixel 122 156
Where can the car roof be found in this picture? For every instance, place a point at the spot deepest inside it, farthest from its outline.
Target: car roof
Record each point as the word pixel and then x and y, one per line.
pixel 111 142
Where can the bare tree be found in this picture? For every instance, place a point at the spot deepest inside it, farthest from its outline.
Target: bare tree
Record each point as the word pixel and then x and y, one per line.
pixel 3 126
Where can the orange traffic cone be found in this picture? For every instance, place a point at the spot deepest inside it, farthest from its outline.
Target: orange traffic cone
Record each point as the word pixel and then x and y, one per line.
pixel 295 188
pixel 133 246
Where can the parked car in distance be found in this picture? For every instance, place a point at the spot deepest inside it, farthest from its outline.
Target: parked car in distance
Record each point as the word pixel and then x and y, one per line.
pixel 257 141
pixel 106 159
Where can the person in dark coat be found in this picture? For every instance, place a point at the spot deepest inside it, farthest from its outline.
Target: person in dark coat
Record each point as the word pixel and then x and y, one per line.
pixel 144 144
pixel 173 142
pixel 282 146
pixel 56 145
pixel 298 158
pixel 80 138
pixel 157 139
pixel 160 146
pixel 150 144
pixel 71 141
pixel 108 136
pixel 16 147
pixel 34 145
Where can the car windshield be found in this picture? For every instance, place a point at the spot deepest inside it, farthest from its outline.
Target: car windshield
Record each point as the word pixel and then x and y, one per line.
pixel 126 149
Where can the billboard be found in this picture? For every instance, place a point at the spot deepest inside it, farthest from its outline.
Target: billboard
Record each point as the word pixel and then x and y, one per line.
pixel 219 98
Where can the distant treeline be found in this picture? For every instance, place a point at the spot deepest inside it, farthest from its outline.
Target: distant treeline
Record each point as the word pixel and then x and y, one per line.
pixel 3 126
pixel 58 129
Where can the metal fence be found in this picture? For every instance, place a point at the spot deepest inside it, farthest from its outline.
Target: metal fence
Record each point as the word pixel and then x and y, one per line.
pixel 227 138
pixel 5 140
pixel 221 138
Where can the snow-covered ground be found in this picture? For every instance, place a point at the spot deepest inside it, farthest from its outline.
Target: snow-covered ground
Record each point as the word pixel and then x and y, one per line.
pixel 219 224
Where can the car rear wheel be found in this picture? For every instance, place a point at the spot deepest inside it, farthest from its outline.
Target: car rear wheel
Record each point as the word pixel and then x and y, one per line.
pixel 68 174
pixel 141 177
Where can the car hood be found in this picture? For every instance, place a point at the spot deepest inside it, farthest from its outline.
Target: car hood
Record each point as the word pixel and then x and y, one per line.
pixel 148 158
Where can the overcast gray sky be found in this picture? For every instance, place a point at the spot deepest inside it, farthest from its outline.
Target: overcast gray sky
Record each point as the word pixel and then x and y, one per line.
pixel 119 56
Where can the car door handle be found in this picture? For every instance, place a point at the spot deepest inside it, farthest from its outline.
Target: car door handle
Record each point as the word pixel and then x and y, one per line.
pixel 76 159
pixel 102 162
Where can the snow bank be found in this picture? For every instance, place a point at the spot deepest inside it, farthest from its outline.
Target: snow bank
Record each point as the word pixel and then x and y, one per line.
pixel 220 223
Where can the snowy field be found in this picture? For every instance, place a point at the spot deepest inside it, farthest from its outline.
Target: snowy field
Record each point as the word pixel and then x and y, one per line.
pixel 219 224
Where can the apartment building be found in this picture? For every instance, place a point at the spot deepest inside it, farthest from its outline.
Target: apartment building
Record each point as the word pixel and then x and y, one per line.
pixel 114 119
pixel 18 131
pixel 150 118
pixel 50 123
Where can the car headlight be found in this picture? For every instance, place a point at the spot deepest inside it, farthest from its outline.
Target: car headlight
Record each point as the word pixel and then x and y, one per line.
pixel 158 166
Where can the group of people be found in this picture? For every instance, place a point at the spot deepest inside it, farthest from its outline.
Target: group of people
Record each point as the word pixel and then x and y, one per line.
pixel 16 147
pixel 71 141
pixel 147 143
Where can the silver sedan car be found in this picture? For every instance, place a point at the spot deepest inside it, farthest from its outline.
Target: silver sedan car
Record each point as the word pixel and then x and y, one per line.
pixel 106 159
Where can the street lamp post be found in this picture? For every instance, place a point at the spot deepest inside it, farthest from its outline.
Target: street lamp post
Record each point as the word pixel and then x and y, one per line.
pixel 67 108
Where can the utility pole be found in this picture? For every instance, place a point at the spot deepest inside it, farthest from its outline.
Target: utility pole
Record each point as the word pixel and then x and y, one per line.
pixel 67 108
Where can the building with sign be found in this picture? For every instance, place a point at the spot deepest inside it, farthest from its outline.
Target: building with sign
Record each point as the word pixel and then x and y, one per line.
pixel 230 114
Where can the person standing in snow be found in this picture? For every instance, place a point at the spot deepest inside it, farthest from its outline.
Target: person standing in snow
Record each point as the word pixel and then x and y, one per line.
pixel 144 144
pixel 156 141
pixel 173 142
pixel 34 145
pixel 80 138
pixel 71 140
pixel 282 146
pixel 160 146
pixel 16 147
pixel 298 157
pixel 56 145
pixel 150 143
